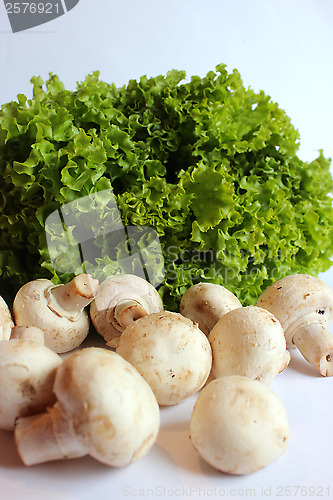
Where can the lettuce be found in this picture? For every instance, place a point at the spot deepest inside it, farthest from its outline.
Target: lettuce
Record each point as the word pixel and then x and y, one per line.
pixel 212 166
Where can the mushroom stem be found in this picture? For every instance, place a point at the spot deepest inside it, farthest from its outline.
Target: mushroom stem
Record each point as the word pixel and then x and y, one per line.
pixel 315 343
pixel 31 333
pixel 46 437
pixel 127 311
pixel 74 296
pixel 121 300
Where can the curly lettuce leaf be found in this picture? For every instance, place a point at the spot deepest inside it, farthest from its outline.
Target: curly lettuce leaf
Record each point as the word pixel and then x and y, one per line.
pixel 210 165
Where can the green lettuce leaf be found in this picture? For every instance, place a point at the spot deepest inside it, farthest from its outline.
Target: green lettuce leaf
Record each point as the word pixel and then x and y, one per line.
pixel 210 165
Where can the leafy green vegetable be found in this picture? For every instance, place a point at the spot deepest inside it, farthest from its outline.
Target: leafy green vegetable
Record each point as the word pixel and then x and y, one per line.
pixel 210 165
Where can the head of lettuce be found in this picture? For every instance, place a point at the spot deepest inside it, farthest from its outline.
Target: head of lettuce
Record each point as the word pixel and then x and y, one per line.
pixel 210 165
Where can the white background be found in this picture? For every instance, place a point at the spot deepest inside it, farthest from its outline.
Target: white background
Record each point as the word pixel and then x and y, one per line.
pixel 283 47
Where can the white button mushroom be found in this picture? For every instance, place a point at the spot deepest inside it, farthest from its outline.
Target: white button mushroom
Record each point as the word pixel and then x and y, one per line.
pixel 239 425
pixel 249 341
pixel 122 299
pixel 206 303
pixel 170 352
pixel 304 306
pixel 58 310
pixel 104 409
pixel 6 321
pixel 27 372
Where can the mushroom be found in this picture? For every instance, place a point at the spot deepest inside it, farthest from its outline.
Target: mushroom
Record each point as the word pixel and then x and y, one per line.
pixel 27 372
pixel 58 310
pixel 121 300
pixel 28 333
pixel 170 352
pixel 239 425
pixel 249 341
pixel 304 306
pixel 6 321
pixel 206 303
pixel 104 409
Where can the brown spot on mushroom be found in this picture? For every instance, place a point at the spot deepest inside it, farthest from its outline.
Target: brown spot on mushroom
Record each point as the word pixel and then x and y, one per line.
pixel 201 306
pixel 28 390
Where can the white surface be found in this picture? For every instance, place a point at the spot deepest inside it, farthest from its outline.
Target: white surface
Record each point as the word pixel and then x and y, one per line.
pixel 281 46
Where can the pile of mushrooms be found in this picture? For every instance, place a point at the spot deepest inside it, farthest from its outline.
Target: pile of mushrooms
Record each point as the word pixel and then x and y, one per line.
pixel 104 409
pixel 105 401
pixel 91 402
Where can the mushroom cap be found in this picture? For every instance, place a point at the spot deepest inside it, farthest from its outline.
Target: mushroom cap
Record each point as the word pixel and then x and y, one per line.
pixel 170 352
pixel 30 308
pixel 249 341
pixel 31 333
pixel 27 372
pixel 239 425
pixel 206 303
pixel 298 299
pixel 112 409
pixel 6 321
pixel 121 289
